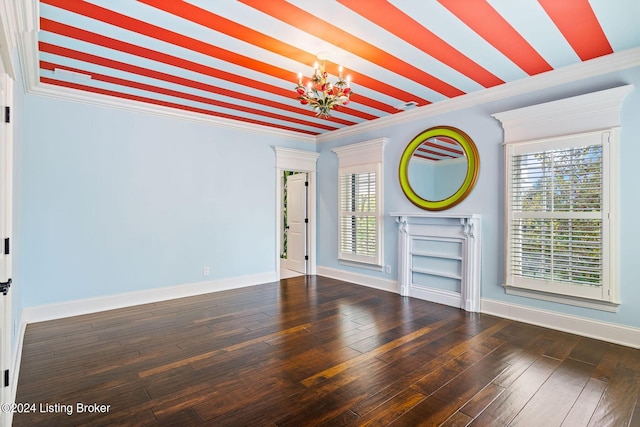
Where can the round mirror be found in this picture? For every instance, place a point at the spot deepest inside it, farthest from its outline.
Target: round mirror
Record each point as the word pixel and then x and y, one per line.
pixel 439 168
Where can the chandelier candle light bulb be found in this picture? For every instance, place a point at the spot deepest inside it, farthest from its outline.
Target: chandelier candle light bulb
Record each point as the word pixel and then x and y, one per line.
pixel 320 94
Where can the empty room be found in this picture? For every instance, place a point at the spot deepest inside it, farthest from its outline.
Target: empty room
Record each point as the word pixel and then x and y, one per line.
pixel 338 213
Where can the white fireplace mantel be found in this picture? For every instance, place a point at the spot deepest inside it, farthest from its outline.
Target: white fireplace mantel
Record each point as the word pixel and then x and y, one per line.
pixel 439 257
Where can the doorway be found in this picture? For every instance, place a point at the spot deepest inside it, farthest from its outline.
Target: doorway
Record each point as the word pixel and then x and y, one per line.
pixel 304 163
pixel 294 220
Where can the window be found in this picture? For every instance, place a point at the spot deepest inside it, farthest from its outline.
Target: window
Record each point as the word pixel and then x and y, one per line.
pixel 561 198
pixel 558 232
pixel 360 209
pixel 359 216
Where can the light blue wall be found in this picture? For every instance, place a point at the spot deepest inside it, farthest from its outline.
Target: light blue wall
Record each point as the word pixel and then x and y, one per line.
pixel 487 197
pixel 113 201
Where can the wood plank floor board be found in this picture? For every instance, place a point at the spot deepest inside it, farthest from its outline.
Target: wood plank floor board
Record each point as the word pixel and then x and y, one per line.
pixel 317 351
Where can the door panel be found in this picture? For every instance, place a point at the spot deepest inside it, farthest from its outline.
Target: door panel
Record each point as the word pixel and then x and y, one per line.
pixel 296 214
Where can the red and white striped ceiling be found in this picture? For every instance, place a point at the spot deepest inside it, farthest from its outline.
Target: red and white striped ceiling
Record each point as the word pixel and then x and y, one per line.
pixel 240 59
pixel 439 148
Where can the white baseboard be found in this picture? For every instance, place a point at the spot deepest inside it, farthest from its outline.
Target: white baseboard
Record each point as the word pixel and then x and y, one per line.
pixel 359 279
pixel 93 305
pixel 439 296
pixel 610 332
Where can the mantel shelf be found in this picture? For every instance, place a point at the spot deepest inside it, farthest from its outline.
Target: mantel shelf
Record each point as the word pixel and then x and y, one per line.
pixel 434 215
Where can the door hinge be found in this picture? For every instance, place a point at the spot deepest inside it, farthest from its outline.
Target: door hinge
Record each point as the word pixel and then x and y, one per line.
pixel 306 257
pixel 306 183
pixel 7 114
pixel 306 220
pixel 7 246
pixel 6 378
pixel 4 286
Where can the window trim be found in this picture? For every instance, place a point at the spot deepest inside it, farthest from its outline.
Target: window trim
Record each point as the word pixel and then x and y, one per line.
pixel 375 260
pixel 607 292
pixel 597 111
pixel 357 158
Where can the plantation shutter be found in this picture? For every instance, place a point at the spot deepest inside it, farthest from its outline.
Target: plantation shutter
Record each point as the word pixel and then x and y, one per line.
pixel 358 214
pixel 557 216
pixel 360 208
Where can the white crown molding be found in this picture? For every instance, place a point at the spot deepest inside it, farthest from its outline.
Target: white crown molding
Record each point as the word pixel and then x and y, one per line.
pixel 572 73
pixel 158 110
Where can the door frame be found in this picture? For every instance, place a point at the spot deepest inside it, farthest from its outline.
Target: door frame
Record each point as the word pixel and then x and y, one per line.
pixel 8 363
pixel 299 161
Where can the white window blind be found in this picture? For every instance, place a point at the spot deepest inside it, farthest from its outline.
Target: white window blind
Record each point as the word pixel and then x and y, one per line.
pixel 360 207
pixel 558 213
pixel 358 214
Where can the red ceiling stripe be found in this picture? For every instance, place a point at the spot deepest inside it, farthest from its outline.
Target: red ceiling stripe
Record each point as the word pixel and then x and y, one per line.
pixel 436 153
pixel 578 24
pixel 135 25
pixel 97 39
pixel 121 95
pixel 441 147
pixel 117 65
pixel 490 25
pixel 392 19
pixel 249 35
pixel 425 157
pixel 176 94
pixel 295 16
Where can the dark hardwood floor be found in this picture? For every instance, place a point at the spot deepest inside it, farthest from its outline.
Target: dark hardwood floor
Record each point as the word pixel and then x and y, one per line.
pixel 317 351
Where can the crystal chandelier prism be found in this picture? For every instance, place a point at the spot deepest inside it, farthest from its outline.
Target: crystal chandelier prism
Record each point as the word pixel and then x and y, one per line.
pixel 322 95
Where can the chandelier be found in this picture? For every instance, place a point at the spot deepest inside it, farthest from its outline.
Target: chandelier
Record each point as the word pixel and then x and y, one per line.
pixel 320 94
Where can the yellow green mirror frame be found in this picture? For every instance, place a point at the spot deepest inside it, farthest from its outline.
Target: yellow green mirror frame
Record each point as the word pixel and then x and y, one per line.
pixel 472 160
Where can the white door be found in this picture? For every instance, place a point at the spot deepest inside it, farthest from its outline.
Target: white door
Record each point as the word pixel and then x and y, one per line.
pixel 6 171
pixel 296 222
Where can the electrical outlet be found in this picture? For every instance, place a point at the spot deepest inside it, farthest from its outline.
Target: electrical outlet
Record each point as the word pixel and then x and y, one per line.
pixel 206 271
pixel 388 269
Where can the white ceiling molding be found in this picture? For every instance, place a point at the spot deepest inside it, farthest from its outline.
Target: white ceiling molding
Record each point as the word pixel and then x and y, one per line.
pixel 158 110
pixel 595 67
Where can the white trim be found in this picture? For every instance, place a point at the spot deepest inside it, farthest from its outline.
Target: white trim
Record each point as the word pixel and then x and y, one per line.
pixel 110 302
pixel 611 307
pixel 578 114
pixel 15 365
pixel 300 161
pixel 590 119
pixel 296 160
pixel 156 110
pixel 465 230
pixel 361 153
pixel 611 332
pixel 594 67
pixel 359 279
